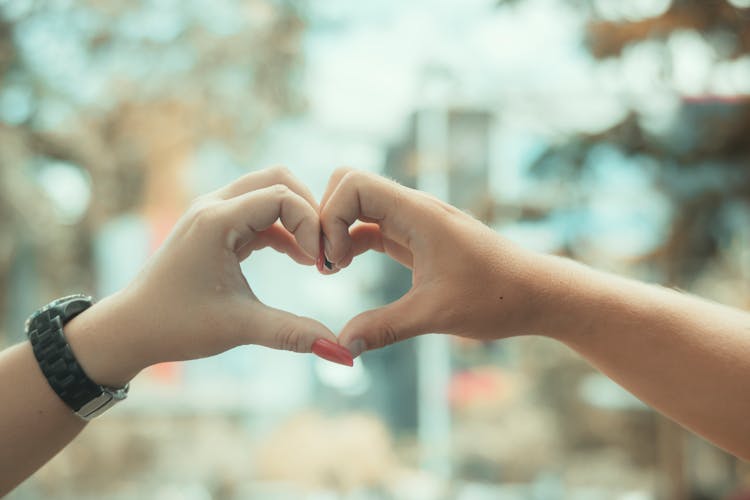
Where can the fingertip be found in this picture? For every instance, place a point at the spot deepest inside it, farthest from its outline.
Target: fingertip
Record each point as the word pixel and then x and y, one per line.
pixel 356 347
pixel 324 265
pixel 300 256
pixel 345 262
pixel 336 239
pixel 310 330
pixel 327 251
pixel 329 272
pixel 309 244
pixel 306 260
pixel 336 246
pixel 352 339
pixel 332 351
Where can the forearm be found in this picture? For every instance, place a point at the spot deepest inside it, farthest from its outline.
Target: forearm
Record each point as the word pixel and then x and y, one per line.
pixel 35 423
pixel 687 357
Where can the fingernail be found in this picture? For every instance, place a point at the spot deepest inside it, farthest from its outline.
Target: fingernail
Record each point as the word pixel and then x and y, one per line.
pixel 330 351
pixel 356 347
pixel 327 263
pixel 327 251
pixel 321 260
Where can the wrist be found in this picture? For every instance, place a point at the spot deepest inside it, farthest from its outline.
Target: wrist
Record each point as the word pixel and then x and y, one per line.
pixel 565 298
pixel 103 344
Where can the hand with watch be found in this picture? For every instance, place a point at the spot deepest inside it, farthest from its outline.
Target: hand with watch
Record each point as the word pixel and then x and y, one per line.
pixel 189 301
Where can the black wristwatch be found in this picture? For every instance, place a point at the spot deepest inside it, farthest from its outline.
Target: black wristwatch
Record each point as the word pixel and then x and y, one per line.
pixel 44 328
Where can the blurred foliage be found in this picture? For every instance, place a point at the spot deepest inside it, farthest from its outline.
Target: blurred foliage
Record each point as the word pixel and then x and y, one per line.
pixel 702 151
pixel 717 18
pixel 114 89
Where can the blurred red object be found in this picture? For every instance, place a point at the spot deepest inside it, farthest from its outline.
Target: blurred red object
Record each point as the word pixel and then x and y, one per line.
pixel 479 385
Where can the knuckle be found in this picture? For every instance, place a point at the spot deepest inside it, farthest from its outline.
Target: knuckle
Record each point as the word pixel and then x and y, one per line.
pixel 438 205
pixel 331 220
pixel 398 200
pixel 289 337
pixel 341 172
pixel 244 179
pixel 352 178
pixel 201 200
pixel 388 334
pixel 199 205
pixel 204 213
pixel 281 190
pixel 281 172
pixel 307 220
pixel 383 330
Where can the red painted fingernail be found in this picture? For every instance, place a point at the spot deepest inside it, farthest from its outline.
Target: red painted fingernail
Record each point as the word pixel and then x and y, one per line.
pixel 330 351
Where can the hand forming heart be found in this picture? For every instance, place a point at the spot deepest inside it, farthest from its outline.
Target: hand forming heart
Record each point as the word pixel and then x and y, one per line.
pixel 193 300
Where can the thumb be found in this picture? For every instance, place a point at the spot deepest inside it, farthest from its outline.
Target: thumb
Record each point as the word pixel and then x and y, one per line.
pixel 277 329
pixel 400 320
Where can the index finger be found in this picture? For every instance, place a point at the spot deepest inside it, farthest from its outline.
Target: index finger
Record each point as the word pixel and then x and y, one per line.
pixel 333 182
pixel 370 198
pixel 265 178
pixel 257 211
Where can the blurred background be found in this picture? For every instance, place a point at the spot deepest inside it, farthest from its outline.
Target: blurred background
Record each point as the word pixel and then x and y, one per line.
pixel 611 131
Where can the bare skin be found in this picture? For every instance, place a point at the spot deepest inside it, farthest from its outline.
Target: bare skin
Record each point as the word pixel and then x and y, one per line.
pixel 687 357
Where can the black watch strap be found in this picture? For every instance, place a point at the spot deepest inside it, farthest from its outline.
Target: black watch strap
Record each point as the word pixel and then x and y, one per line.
pixel 58 363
